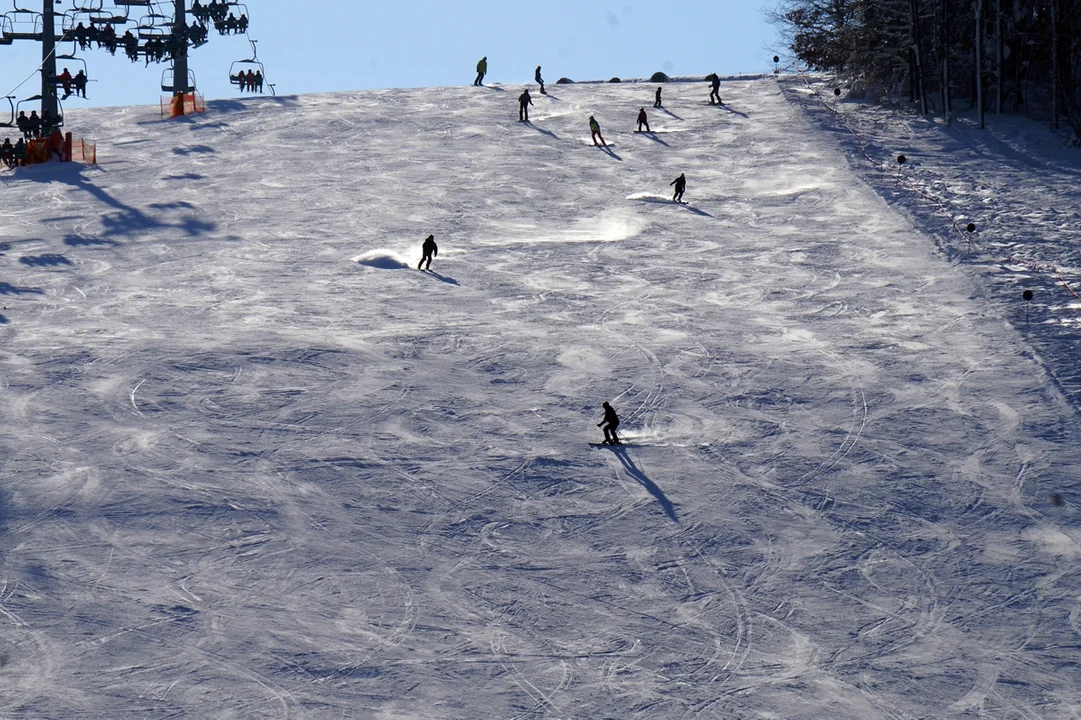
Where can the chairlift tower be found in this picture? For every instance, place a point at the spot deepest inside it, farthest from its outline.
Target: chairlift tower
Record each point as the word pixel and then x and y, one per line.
pixel 182 82
pixel 23 23
pixel 49 104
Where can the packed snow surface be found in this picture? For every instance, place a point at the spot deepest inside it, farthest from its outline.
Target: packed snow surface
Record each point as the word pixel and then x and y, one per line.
pixel 255 465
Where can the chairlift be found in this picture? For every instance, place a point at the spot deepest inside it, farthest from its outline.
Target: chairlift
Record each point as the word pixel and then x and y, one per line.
pixel 22 24
pixel 243 66
pixel 168 80
pixel 87 6
pixel 57 122
pixel 62 59
pixel 11 103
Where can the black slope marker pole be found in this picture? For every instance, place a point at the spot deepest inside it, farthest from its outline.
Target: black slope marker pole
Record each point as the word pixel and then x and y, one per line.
pixel 1027 295
pixel 971 230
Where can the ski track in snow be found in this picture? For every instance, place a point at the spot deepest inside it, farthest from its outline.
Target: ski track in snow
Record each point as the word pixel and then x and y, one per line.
pixel 256 465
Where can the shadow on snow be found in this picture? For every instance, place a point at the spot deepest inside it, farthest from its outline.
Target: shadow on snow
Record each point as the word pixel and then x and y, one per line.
pixel 649 485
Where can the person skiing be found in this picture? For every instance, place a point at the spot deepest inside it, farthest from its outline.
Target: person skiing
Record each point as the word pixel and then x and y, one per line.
pixel 609 425
pixel 524 101
pixel 715 89
pixel 657 101
pixel 681 185
pixel 595 131
pixel 429 250
pixel 642 120
pixel 482 70
pixel 540 81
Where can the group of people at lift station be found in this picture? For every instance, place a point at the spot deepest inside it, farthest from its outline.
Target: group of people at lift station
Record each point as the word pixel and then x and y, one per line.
pixel 41 140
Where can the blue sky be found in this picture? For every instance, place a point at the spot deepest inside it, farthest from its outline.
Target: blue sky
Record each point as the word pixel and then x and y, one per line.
pixel 332 45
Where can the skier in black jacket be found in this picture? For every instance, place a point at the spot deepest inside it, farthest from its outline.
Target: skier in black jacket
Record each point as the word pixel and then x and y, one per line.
pixel 681 185
pixel 430 250
pixel 609 425
pixel 524 101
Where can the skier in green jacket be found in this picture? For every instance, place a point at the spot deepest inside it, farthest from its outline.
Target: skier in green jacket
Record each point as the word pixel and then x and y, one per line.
pixel 482 70
pixel 595 131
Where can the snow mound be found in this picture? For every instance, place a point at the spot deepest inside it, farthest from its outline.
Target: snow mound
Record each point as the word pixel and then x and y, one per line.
pixel 382 259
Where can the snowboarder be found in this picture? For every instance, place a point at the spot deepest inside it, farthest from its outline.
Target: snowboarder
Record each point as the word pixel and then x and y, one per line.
pixel 524 101
pixel 609 425
pixel 642 120
pixel 715 89
pixel 429 250
pixel 657 101
pixel 482 70
pixel 595 131
pixel 681 185
pixel 537 77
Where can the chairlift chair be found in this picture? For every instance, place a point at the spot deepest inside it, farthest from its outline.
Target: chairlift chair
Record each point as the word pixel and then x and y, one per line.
pixel 62 59
pixel 11 103
pixel 253 64
pixel 58 122
pixel 23 24
pixel 87 6
pixel 168 83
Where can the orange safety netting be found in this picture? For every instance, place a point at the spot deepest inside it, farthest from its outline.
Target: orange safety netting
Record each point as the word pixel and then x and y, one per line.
pixel 178 105
pixel 64 148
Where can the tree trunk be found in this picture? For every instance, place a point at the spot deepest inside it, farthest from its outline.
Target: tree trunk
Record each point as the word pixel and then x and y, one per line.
pixel 979 64
pixel 1054 65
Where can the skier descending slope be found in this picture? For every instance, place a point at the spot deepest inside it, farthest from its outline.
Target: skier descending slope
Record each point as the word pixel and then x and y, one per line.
pixel 524 101
pixel 642 120
pixel 609 425
pixel 540 80
pixel 595 131
pixel 681 185
pixel 714 88
pixel 429 250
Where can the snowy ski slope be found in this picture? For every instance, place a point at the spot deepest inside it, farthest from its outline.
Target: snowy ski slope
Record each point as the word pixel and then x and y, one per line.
pixel 252 467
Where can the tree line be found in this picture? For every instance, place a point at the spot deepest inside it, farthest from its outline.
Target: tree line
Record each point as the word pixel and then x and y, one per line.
pixel 1012 56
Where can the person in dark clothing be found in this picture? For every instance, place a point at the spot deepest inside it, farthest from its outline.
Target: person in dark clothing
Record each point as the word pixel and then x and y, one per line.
pixel 642 120
pixel 609 425
pixel 20 152
pixel 79 83
pixel 429 250
pixel 657 102
pixel 23 123
pixel 7 153
pixel 482 70
pixel 524 101
pixel 715 89
pixel 33 124
pixel 540 81
pixel 681 185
